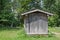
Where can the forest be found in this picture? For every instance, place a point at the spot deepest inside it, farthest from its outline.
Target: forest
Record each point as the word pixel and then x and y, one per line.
pixel 11 10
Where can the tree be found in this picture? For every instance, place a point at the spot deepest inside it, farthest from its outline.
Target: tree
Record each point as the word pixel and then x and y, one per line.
pixel 11 10
pixel 53 7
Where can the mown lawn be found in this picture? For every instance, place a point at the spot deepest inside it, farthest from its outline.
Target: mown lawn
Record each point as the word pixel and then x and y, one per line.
pixel 19 34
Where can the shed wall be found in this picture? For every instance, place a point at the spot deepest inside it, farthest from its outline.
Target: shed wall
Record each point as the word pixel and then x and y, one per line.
pixel 36 23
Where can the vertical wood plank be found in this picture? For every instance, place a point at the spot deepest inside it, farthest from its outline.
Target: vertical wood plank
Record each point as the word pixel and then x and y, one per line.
pixel 36 23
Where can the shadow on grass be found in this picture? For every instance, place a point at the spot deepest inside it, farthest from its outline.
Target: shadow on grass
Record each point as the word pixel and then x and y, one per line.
pixel 24 35
pixel 50 34
pixel 10 28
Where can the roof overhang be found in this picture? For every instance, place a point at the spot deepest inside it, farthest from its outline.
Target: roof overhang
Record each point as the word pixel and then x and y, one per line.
pixel 38 11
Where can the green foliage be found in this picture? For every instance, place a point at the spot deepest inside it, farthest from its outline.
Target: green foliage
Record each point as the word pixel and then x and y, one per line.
pixel 7 17
pixel 10 14
pixel 53 7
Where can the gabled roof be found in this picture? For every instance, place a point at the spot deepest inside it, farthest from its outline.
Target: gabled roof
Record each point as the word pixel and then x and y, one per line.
pixel 35 11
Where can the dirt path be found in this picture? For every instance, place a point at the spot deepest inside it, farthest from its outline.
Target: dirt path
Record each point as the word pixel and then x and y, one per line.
pixel 56 34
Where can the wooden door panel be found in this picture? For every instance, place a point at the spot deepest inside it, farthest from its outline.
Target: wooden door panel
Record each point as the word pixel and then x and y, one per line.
pixel 34 23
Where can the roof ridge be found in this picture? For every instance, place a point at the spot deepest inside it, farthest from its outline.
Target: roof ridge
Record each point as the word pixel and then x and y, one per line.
pixel 37 10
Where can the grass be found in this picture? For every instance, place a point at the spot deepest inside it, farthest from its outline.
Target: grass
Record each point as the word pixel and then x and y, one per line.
pixel 19 34
pixel 54 29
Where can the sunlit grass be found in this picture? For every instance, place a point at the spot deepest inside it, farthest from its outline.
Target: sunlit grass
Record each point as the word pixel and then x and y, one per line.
pixel 19 34
pixel 54 29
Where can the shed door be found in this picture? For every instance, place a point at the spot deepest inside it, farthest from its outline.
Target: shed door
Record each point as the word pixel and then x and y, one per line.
pixel 34 23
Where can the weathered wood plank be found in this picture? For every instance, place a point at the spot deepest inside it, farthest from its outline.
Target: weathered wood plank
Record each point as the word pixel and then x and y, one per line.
pixel 36 23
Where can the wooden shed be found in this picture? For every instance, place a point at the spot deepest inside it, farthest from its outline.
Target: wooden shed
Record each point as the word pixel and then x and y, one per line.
pixel 36 21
